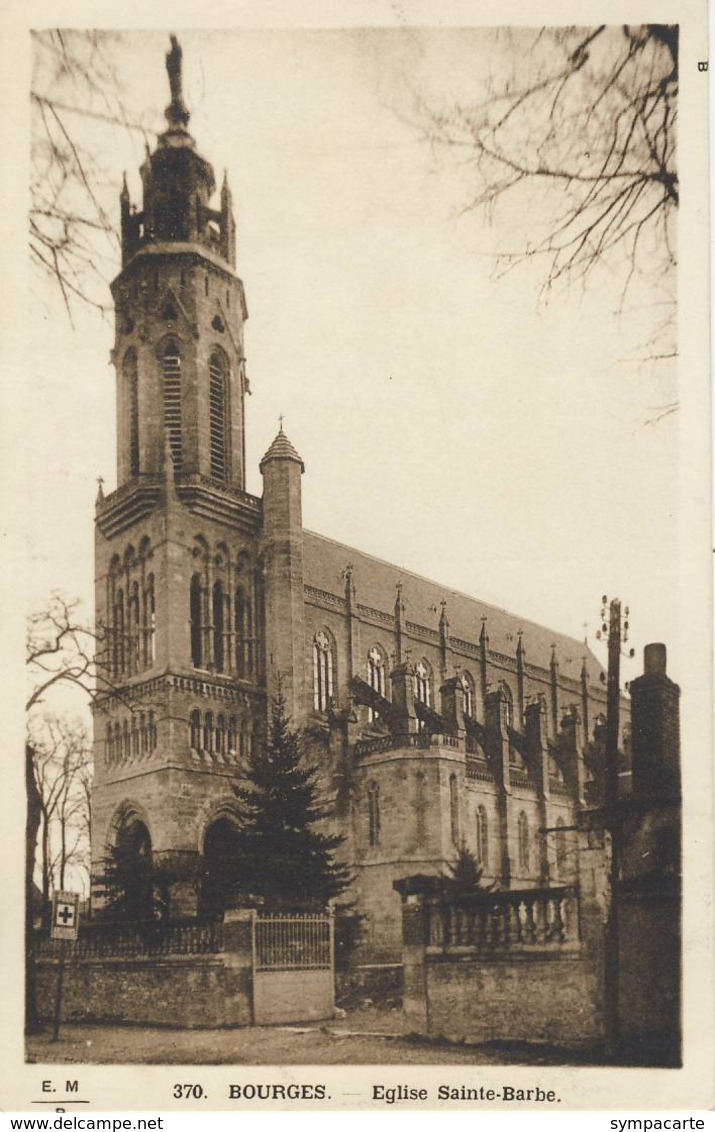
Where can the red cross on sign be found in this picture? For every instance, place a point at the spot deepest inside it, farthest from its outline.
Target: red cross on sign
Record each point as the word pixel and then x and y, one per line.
pixel 65 915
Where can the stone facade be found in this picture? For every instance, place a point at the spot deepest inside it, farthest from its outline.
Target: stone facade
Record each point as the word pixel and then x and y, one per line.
pixel 436 720
pixel 595 961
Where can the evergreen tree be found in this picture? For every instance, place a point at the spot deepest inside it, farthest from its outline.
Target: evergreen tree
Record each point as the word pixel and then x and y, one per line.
pixel 465 875
pixel 280 853
pixel 125 884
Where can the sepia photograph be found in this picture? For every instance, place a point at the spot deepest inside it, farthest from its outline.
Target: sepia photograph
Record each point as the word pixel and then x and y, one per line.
pixel 356 559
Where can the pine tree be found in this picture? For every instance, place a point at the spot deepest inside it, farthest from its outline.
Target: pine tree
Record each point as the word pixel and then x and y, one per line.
pixel 465 875
pixel 280 853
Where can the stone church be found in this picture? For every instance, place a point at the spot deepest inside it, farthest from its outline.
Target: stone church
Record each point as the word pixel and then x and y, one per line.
pixel 436 720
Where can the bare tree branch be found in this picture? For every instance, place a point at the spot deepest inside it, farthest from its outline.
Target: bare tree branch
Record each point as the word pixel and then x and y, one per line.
pixel 592 129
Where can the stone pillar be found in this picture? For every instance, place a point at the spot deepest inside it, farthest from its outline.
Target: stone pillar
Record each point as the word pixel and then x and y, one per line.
pixel 354 659
pixel 655 722
pixel 399 623
pixel 415 927
pixel 570 743
pixel 538 753
pixel 238 950
pixel 584 703
pixel 452 696
pixel 445 649
pixel 483 665
pixel 402 678
pixel 520 678
pixel 554 669
pixel 344 733
pixel 497 748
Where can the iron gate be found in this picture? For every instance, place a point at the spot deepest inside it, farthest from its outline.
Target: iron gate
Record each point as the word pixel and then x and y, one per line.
pixel 293 967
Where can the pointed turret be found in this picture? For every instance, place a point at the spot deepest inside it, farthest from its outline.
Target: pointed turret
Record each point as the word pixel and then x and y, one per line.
pixel 281 468
pixel 281 449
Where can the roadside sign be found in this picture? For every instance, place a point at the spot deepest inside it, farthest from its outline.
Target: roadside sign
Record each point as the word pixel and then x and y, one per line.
pixel 65 915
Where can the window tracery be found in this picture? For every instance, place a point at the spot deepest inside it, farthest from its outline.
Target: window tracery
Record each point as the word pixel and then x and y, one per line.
pixel 322 671
pixel 375 676
pixel 423 683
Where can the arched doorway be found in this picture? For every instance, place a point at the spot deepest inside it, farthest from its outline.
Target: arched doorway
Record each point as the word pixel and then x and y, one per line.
pixel 220 865
pixel 128 872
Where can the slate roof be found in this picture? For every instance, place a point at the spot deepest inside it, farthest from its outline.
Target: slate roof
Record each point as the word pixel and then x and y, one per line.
pixel 324 562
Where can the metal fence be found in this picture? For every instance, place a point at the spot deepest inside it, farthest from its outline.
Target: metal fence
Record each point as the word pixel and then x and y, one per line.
pixel 137 939
pixel 293 941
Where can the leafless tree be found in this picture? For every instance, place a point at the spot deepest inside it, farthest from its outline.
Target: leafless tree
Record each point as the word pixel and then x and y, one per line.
pixel 62 652
pixel 62 765
pixel 576 142
pixel 78 102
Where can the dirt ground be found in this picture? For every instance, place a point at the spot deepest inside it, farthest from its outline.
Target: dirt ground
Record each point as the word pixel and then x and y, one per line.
pixel 363 1037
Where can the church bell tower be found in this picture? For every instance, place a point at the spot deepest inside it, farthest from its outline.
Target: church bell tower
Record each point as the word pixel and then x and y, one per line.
pixel 179 562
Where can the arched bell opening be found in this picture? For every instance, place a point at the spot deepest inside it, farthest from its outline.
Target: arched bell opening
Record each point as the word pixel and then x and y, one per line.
pixel 220 858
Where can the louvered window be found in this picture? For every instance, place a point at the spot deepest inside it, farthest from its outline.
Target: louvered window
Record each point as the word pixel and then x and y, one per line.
pixel 217 418
pixel 172 403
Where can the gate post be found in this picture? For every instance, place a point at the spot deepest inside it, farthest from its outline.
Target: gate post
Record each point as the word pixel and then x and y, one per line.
pixel 239 947
pixel 331 926
pixel 415 936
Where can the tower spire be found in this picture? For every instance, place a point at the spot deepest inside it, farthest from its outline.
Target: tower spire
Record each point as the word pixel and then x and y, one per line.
pixel 176 113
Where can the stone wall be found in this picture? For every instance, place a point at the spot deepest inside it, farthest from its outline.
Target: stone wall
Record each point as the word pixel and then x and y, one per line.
pixel 504 967
pixel 506 998
pixel 175 990
pixel 213 986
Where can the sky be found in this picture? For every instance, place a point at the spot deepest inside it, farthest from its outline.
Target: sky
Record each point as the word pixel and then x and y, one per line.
pixel 450 422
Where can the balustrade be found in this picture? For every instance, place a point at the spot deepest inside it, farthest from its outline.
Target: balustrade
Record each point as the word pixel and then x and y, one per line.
pixel 505 921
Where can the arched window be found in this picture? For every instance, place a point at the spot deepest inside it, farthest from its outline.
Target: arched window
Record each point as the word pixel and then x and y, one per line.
pixel 131 385
pixel 126 745
pixel 152 731
pixel 509 700
pixel 468 686
pixel 482 853
pixel 373 813
pixel 143 733
pixel 195 730
pixel 218 626
pixel 243 615
pixel 375 676
pixel 109 746
pixel 423 683
pixel 171 365
pixel 218 418
pixel 232 734
pixel 221 735
pixel 560 846
pixel 133 635
pixel 454 809
pixel 208 731
pixel 195 615
pixel 243 748
pixel 117 743
pixel 135 737
pixel 524 849
pixel 322 671
pixel 118 633
pixel 149 623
